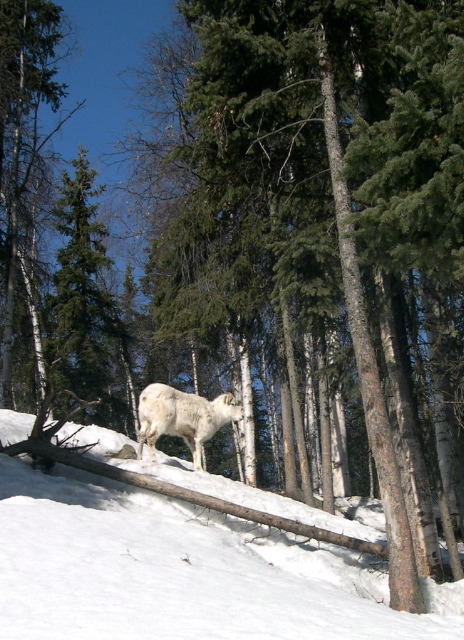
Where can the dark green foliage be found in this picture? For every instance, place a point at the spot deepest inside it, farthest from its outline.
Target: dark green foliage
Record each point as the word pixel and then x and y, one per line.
pixel 37 33
pixel 86 328
pixel 411 164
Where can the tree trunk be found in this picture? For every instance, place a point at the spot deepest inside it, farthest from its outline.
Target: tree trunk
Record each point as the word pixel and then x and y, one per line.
pixel 306 483
pixel 326 439
pixel 446 428
pixel 413 468
pixel 340 467
pixel 12 207
pixel 196 389
pixel 269 394
pixel 131 395
pixel 238 431
pixel 36 333
pixel 7 346
pixel 310 413
pixel 405 591
pixel 291 482
pixel 248 417
pixel 341 473
pixel 151 483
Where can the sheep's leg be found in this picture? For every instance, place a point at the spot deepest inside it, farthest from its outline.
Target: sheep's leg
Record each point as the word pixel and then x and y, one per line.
pixel 195 449
pixel 151 441
pixel 197 461
pixel 140 447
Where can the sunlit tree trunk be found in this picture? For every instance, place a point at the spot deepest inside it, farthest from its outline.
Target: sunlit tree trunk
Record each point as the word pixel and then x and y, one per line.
pixel 130 391
pixel 248 417
pixel 26 273
pixel 341 474
pixel 411 459
pixel 326 437
pixel 340 470
pixel 405 591
pixel 238 430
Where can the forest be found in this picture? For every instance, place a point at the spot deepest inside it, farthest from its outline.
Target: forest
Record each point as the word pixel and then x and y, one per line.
pixel 300 198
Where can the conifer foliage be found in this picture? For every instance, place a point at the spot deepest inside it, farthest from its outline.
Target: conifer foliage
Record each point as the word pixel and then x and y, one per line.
pixel 85 319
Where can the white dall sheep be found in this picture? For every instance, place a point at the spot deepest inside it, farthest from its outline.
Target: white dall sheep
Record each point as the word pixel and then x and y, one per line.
pixel 164 410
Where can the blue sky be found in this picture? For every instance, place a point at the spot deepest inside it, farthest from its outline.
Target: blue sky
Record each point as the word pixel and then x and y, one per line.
pixel 110 37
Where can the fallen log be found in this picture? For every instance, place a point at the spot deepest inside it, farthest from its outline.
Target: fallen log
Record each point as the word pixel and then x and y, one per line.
pixel 61 455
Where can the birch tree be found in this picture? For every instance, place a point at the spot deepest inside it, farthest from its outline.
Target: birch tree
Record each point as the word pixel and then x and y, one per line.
pixel 31 31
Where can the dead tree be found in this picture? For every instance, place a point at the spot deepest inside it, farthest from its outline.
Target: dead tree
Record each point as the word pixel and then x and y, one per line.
pixel 46 450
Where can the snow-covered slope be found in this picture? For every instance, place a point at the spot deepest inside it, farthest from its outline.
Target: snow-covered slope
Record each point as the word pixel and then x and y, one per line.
pixel 88 558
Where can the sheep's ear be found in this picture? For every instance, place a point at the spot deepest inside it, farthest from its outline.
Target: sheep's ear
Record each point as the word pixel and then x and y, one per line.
pixel 228 398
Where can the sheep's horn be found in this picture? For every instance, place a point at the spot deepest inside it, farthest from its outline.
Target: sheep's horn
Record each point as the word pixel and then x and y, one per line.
pixel 228 398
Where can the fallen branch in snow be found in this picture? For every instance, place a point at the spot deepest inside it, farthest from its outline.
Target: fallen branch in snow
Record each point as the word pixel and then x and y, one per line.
pixel 36 447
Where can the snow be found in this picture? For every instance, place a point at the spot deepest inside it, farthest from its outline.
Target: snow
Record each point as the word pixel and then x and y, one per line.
pixel 88 558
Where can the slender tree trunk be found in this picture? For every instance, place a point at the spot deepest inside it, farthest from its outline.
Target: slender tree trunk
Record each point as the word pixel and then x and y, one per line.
pixel 130 389
pixel 311 421
pixel 306 483
pixel 326 439
pixel 196 381
pixel 238 431
pixel 372 475
pixel 341 474
pixel 340 471
pixel 269 394
pixel 446 429
pixel 36 333
pixel 248 417
pixel 413 468
pixel 7 347
pixel 196 389
pixel 405 591
pixel 291 482
pixel 448 533
pixel 12 206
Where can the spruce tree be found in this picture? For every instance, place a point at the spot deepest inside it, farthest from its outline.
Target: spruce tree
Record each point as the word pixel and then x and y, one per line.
pixel 85 316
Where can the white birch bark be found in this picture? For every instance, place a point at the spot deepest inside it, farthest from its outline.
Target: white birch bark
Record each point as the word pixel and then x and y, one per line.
pixel 196 389
pixel 238 428
pixel 326 439
pixel 36 333
pixel 130 390
pixel 248 417
pixel 341 474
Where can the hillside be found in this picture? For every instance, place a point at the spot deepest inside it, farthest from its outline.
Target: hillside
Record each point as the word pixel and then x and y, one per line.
pixel 83 557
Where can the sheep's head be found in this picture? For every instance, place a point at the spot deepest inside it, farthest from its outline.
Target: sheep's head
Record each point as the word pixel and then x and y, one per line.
pixel 231 411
